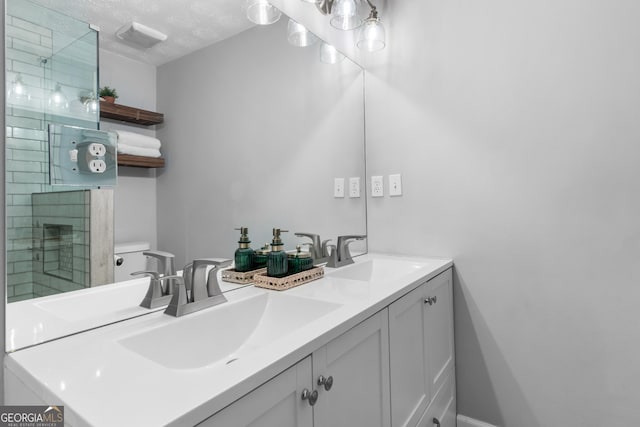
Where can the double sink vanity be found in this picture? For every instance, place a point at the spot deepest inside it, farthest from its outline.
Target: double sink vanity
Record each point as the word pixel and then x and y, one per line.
pixel 369 344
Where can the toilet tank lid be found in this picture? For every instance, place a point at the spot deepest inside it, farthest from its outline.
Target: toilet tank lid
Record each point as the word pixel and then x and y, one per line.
pixel 127 247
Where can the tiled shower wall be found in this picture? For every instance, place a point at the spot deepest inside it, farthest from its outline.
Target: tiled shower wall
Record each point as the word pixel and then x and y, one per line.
pixel 43 48
pixel 26 151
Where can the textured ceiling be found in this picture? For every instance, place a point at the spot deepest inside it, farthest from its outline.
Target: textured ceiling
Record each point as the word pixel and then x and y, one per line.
pixel 189 24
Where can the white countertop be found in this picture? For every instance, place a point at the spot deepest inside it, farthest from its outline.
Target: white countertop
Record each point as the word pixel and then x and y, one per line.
pixel 39 320
pixel 96 378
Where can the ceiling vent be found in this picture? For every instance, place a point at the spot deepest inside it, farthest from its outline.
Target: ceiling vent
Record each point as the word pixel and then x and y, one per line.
pixel 140 35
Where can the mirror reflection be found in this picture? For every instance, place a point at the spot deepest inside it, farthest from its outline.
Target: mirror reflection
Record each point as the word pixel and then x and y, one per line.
pixel 256 130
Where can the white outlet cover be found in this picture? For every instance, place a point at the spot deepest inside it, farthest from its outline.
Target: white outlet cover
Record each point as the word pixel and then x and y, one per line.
pixel 395 185
pixel 377 186
pixel 354 186
pixel 338 187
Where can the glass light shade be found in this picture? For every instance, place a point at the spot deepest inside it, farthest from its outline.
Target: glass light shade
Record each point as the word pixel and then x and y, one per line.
pixel 298 35
pixel 344 15
pixel 91 104
pixel 57 99
pixel 371 37
pixel 18 90
pixel 329 54
pixel 261 12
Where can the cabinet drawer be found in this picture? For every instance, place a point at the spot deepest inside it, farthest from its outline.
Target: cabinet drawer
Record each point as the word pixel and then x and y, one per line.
pixel 442 410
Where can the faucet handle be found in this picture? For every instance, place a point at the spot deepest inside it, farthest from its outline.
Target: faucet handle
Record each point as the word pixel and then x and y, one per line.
pixel 153 274
pixel 199 285
pixel 179 297
pixel 165 260
pixel 325 247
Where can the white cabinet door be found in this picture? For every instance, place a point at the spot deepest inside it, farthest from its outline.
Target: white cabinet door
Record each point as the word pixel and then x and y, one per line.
pixel 421 343
pixel 276 403
pixel 410 384
pixel 439 321
pixel 358 364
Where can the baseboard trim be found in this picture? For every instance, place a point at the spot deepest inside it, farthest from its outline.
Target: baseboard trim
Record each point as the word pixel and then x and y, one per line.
pixel 464 421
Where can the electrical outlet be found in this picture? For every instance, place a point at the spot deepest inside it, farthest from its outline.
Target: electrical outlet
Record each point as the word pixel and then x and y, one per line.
pixel 377 187
pixel 354 186
pixel 338 187
pixel 97 166
pixel 97 150
pixel 395 185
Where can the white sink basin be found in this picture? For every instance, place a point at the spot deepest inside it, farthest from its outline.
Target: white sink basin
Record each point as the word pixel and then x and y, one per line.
pixel 376 270
pixel 225 333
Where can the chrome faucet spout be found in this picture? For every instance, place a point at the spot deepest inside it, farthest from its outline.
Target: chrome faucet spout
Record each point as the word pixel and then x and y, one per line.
pixel 341 255
pixel 205 289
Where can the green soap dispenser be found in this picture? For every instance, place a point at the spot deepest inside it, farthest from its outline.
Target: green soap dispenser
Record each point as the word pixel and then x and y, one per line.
pixel 277 265
pixel 244 255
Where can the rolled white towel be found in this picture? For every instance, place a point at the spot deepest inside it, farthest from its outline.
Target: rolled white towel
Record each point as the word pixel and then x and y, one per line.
pixel 137 140
pixel 138 151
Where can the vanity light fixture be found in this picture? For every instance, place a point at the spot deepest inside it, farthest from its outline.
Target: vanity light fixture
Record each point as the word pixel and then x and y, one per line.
pixel 298 35
pixel 261 12
pixel 18 90
pixel 344 15
pixel 329 54
pixel 57 99
pixel 371 36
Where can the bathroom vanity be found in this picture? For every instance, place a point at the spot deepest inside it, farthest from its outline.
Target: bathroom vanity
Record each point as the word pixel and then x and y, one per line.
pixel 370 344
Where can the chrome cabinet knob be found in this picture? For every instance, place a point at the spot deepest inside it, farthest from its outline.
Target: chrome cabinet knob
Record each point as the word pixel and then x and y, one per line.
pixel 431 300
pixel 436 422
pixel 311 396
pixel 326 382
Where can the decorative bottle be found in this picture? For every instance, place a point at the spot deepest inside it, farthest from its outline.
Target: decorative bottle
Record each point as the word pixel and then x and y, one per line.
pixel 244 256
pixel 277 265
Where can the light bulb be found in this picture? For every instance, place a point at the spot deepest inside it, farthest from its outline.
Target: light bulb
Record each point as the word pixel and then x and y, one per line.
pixel 18 90
pixel 261 12
pixel 344 15
pixel 371 37
pixel 57 99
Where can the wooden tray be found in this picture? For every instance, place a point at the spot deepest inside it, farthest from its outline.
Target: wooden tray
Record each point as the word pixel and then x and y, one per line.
pixel 233 276
pixel 261 280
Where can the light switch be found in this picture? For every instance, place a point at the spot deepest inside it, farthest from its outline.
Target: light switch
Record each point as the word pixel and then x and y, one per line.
pixel 395 185
pixel 338 187
pixel 354 186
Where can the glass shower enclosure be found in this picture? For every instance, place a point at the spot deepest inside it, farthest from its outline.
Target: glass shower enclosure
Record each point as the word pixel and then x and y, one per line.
pixel 51 77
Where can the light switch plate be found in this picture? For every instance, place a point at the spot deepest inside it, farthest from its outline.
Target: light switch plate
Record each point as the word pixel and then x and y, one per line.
pixel 338 187
pixel 395 185
pixel 377 186
pixel 354 186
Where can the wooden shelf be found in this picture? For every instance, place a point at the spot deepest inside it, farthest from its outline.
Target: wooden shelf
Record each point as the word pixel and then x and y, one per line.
pixel 129 114
pixel 139 161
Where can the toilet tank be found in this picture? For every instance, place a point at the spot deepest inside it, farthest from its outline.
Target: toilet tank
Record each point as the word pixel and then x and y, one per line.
pixel 128 259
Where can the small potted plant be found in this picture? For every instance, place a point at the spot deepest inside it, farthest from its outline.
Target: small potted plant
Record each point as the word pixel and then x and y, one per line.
pixel 108 94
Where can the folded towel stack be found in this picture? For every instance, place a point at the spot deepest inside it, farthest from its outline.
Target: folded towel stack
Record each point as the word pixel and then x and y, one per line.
pixel 138 145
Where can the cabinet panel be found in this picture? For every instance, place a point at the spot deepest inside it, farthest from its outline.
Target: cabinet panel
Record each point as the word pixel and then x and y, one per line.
pixel 358 362
pixel 439 320
pixel 276 403
pixel 442 411
pixel 410 387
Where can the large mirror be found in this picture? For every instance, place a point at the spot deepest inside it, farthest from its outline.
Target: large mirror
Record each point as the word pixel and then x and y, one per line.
pixel 255 132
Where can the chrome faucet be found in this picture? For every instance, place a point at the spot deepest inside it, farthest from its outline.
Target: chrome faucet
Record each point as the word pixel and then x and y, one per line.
pixel 205 289
pixel 158 294
pixel 340 255
pixel 319 251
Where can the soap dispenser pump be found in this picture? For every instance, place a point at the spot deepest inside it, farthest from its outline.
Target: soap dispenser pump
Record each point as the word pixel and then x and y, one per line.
pixel 244 256
pixel 277 264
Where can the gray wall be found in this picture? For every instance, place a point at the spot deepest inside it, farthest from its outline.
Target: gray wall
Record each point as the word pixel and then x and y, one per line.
pixel 135 194
pixel 515 126
pixel 255 132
